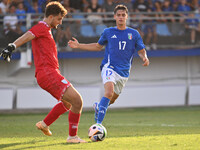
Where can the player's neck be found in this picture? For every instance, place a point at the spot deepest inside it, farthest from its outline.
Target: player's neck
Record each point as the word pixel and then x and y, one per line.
pixel 46 20
pixel 121 27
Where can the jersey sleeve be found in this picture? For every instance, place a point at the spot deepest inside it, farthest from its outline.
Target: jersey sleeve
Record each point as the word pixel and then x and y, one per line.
pixel 139 42
pixel 103 38
pixel 38 30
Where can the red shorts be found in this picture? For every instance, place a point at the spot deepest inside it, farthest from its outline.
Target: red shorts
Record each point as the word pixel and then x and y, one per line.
pixel 53 82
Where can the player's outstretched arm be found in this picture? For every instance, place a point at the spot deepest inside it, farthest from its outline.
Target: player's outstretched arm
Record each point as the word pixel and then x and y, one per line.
pixel 26 37
pixel 89 47
pixel 143 55
pixel 7 52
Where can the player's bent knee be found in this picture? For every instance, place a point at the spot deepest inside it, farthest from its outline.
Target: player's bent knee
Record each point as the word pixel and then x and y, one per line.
pixel 77 103
pixel 67 104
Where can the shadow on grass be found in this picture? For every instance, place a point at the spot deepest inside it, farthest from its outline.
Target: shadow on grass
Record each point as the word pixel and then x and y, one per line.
pixel 76 143
pixel 34 142
pixel 19 143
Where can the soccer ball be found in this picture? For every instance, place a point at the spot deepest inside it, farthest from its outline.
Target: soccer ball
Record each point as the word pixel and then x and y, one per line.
pixel 97 132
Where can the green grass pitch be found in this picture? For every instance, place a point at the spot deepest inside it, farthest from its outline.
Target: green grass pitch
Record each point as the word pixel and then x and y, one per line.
pixel 176 128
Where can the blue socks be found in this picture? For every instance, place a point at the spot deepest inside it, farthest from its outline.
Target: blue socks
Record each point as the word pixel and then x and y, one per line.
pixel 103 105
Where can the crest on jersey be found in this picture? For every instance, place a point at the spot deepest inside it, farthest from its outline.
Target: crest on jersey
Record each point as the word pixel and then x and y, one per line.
pixel 64 81
pixel 130 36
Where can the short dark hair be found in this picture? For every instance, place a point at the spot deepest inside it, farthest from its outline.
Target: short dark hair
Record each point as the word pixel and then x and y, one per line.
pixel 55 8
pixel 120 7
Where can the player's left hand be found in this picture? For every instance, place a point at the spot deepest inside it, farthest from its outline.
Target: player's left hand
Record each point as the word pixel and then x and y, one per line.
pixel 7 52
pixel 73 43
pixel 146 61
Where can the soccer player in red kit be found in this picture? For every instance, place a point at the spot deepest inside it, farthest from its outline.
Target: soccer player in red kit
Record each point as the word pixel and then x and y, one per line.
pixel 47 71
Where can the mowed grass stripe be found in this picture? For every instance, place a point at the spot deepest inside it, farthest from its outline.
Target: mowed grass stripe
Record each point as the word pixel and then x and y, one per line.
pixel 138 129
pixel 161 142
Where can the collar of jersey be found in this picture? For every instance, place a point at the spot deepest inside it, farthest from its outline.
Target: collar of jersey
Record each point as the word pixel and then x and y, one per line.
pixel 120 30
pixel 44 23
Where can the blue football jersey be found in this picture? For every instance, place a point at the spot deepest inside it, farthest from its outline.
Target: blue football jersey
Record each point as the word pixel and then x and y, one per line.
pixel 120 46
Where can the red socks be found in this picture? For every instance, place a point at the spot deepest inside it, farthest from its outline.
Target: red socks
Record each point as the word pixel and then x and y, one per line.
pixel 73 123
pixel 55 113
pixel 58 110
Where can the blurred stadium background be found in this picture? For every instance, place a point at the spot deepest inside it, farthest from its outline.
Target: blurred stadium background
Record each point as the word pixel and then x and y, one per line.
pixel 171 32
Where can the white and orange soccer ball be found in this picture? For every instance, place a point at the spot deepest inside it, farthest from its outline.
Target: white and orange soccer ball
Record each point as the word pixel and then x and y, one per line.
pixel 97 132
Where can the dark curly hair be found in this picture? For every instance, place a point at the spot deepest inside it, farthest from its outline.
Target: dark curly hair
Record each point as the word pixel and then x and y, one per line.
pixel 55 8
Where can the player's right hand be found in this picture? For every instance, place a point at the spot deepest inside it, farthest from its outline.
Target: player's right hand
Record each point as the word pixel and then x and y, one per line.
pixel 73 43
pixel 7 52
pixel 146 61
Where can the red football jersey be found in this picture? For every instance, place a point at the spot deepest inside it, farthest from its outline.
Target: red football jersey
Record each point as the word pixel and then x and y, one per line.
pixel 44 48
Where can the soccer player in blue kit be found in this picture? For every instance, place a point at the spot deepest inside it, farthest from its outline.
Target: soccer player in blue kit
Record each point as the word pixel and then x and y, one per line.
pixel 121 42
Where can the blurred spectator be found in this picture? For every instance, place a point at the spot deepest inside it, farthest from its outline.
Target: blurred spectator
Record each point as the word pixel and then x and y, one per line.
pixel 4 7
pixel 85 5
pixel 183 7
pixel 94 8
pixel 158 8
pixel 192 25
pixel 63 35
pixel 197 11
pixel 21 16
pixel 32 7
pixel 79 5
pixel 162 6
pixel 151 5
pixel 197 15
pixel 127 3
pixel 20 11
pixel 63 32
pixel 11 28
pixel 135 24
pixel 136 21
pixel 175 4
pixel 108 7
pixel 148 26
pixel 141 6
pixel 193 4
pixel 43 4
pixel 169 18
pixel 167 7
pixel 101 2
pixel 75 14
pixel 15 2
pixel 66 4
pixel 3 10
pixel 94 19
